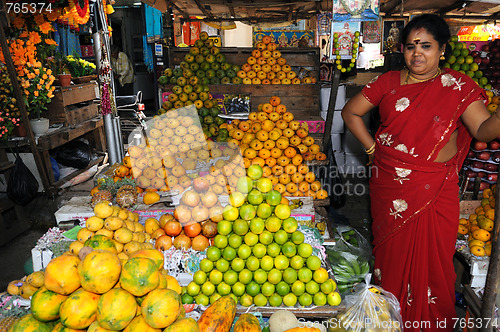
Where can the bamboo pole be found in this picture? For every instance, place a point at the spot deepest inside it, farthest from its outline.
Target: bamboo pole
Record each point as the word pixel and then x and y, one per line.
pixel 19 98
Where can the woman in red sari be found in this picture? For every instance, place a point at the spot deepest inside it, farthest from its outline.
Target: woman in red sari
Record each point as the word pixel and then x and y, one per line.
pixel 428 117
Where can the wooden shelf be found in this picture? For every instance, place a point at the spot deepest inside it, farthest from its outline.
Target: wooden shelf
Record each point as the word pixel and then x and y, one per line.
pixel 68 177
pixel 66 134
pixel 303 100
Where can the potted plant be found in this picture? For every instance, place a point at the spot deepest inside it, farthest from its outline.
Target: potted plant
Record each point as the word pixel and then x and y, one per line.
pixel 59 65
pixel 82 71
pixel 36 82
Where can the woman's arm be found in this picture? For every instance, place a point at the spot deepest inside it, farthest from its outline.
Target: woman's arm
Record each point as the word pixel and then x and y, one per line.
pixel 482 126
pixel 352 114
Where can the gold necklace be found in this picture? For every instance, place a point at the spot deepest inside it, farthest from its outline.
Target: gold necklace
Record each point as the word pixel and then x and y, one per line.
pixel 408 75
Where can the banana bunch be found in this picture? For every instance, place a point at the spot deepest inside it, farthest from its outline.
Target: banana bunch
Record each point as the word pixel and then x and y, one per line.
pixel 348 272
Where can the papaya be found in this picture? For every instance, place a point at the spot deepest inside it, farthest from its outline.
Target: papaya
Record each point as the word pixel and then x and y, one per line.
pixel 45 304
pixel 30 324
pixel 219 316
pixel 102 242
pixel 153 254
pixel 61 274
pixel 183 325
pixel 247 323
pixel 138 324
pixel 79 309
pixel 139 276
pixel 95 327
pixel 116 309
pixel 304 329
pixel 61 328
pixel 99 271
pixel 161 307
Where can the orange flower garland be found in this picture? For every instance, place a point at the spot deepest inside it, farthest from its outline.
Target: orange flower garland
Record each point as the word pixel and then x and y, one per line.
pixel 80 15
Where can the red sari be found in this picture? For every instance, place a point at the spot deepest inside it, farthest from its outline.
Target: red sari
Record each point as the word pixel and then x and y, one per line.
pixel 414 200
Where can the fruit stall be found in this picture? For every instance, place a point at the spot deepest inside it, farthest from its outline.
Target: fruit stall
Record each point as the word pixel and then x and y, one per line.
pixel 478 183
pixel 212 221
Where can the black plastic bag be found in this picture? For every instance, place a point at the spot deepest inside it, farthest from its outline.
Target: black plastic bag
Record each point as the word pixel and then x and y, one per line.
pixel 75 154
pixel 22 186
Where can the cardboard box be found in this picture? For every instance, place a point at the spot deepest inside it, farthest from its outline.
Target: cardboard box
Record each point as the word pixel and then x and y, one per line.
pixel 41 258
pixel 325 98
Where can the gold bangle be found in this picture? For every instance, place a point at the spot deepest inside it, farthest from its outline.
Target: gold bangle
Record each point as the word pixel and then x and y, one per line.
pixel 371 149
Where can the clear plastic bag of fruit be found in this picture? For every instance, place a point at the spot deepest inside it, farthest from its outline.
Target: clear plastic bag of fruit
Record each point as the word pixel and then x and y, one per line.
pixel 369 308
pixel 357 244
pixel 350 263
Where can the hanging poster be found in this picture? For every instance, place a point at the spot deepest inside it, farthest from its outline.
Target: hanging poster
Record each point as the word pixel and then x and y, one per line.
pixel 371 32
pixel 391 34
pixel 324 23
pixel 284 38
pixel 345 31
pixel 355 10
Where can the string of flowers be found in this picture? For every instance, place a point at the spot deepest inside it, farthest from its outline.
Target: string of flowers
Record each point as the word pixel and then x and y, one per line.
pixel 354 52
pixel 357 11
pixel 80 15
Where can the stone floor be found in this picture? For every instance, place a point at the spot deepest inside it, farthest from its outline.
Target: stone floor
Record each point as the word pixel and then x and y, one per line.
pixel 15 254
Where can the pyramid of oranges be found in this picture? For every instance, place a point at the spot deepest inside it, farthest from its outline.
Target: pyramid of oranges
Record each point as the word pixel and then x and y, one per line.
pixel 273 139
pixel 266 65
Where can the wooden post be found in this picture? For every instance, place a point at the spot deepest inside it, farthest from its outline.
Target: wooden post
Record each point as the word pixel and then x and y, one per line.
pixel 17 93
pixel 327 135
pixel 491 286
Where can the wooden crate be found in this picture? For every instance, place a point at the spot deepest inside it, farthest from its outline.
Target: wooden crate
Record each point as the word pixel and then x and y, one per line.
pixel 74 104
pixel 73 116
pixel 303 100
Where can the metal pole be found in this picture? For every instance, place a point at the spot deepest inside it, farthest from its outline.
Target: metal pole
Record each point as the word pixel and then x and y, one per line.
pixel 109 130
pixel 120 138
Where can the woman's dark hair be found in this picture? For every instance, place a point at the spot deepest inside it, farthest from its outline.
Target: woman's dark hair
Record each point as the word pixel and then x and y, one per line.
pixel 435 25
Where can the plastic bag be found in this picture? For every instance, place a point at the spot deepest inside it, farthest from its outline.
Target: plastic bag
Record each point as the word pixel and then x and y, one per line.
pixel 350 260
pixel 348 238
pixel 22 186
pixel 75 154
pixel 370 308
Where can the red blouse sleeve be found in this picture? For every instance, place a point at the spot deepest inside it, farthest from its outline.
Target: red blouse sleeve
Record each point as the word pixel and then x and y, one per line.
pixel 378 87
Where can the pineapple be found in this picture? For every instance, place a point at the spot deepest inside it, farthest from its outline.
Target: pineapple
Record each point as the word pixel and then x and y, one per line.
pixel 105 193
pixel 126 197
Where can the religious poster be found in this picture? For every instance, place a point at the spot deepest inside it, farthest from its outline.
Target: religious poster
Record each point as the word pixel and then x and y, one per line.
pixel 391 34
pixel 324 23
pixel 345 32
pixel 371 32
pixel 355 10
pixel 285 38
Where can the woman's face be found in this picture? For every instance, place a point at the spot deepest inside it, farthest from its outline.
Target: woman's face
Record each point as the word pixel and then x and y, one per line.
pixel 421 52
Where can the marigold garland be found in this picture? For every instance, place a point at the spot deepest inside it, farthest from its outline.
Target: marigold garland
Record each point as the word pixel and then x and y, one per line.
pixel 80 15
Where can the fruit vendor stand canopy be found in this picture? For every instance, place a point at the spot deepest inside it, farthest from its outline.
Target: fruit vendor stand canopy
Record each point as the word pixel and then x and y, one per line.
pixel 473 11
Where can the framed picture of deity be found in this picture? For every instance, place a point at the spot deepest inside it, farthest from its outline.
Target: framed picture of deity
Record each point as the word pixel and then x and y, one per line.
pixel 392 30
